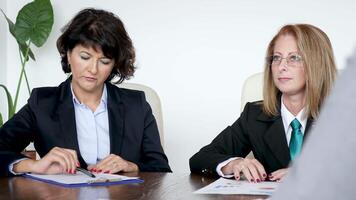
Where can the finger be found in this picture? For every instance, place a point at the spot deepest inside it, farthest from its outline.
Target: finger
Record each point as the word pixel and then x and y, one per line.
pixel 60 156
pixel 237 170
pixel 109 163
pixel 90 167
pixel 53 159
pixel 74 157
pixel 245 170
pixel 100 166
pixel 253 171
pixel 70 158
pixel 274 175
pixel 236 173
pixel 115 166
pixel 278 175
pixel 261 170
pixel 65 153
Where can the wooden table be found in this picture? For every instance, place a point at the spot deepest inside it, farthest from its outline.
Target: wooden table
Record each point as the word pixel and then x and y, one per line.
pixel 156 186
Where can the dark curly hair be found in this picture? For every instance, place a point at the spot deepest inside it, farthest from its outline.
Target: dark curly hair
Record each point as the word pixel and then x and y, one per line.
pixel 99 29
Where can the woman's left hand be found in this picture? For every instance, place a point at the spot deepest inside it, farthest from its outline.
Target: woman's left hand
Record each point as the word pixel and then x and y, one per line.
pixel 278 174
pixel 113 164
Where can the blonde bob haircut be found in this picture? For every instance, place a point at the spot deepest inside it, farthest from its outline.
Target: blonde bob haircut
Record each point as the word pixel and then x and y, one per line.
pixel 320 69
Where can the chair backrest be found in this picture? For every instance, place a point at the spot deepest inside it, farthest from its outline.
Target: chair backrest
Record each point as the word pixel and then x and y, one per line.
pixel 252 89
pixel 154 101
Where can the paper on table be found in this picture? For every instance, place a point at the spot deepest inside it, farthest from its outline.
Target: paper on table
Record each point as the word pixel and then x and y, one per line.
pixel 230 186
pixel 81 179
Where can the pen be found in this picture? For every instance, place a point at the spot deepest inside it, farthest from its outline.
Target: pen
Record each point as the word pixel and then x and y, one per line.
pixel 86 172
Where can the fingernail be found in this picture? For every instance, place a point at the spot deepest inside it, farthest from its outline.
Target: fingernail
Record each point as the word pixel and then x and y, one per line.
pixel 237 177
pixel 100 170
pixel 107 171
pixel 78 164
pixel 258 180
pixel 264 175
pixel 251 180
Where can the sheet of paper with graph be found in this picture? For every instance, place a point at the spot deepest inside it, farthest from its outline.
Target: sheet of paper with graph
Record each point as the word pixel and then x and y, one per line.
pixel 230 186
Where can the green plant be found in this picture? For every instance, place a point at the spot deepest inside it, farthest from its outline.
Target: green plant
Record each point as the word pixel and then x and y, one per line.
pixel 33 25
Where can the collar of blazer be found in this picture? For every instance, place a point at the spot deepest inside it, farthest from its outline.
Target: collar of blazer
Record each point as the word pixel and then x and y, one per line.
pixel 275 136
pixel 116 115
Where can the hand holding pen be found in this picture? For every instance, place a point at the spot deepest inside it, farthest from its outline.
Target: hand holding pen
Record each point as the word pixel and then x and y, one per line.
pixel 56 161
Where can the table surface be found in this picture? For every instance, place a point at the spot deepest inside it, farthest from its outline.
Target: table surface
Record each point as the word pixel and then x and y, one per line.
pixel 156 186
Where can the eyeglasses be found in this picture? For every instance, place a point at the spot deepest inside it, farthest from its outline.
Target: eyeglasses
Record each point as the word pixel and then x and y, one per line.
pixel 292 60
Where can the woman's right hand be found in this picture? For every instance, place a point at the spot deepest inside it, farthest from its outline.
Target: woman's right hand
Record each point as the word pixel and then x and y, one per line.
pixel 57 160
pixel 252 169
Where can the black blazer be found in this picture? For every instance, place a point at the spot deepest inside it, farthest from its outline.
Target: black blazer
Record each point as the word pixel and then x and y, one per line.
pixel 253 131
pixel 48 119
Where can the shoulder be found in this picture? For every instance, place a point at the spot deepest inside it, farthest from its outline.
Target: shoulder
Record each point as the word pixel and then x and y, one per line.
pixel 253 111
pixel 126 96
pixel 49 95
pixel 253 107
pixel 124 92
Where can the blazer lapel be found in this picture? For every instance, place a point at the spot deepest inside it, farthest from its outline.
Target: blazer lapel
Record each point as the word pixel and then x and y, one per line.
pixel 275 138
pixel 67 120
pixel 116 119
pixel 308 127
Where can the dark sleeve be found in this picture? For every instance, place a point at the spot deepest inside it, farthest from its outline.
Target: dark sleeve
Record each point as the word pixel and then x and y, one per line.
pixel 233 141
pixel 153 157
pixel 15 136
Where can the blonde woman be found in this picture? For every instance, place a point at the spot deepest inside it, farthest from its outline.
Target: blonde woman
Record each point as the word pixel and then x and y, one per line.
pixel 298 75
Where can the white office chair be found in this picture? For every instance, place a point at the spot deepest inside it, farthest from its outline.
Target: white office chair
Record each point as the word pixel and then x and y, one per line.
pixel 252 90
pixel 154 101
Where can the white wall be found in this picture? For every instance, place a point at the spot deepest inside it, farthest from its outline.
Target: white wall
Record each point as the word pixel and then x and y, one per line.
pixel 195 54
pixel 3 32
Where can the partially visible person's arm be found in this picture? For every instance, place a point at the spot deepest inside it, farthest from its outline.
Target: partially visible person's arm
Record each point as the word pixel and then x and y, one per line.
pixel 153 156
pixel 15 135
pixel 231 142
pixel 58 160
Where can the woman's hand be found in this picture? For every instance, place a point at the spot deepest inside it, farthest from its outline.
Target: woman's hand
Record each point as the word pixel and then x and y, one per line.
pixel 278 174
pixel 113 164
pixel 252 169
pixel 58 160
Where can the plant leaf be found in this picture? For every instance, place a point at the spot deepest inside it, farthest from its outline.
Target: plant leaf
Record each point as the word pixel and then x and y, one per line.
pixel 11 24
pixel 10 104
pixel 22 46
pixel 34 22
pixel 1 121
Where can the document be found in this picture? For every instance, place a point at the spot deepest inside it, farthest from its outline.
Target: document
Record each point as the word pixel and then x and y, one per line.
pixel 230 186
pixel 79 179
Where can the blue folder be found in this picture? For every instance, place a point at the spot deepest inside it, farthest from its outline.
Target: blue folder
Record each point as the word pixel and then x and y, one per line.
pixel 57 180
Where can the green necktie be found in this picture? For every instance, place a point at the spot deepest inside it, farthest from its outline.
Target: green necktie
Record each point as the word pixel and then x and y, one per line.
pixel 296 140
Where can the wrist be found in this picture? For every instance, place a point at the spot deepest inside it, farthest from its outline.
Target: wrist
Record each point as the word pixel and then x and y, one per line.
pixel 24 166
pixel 132 167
